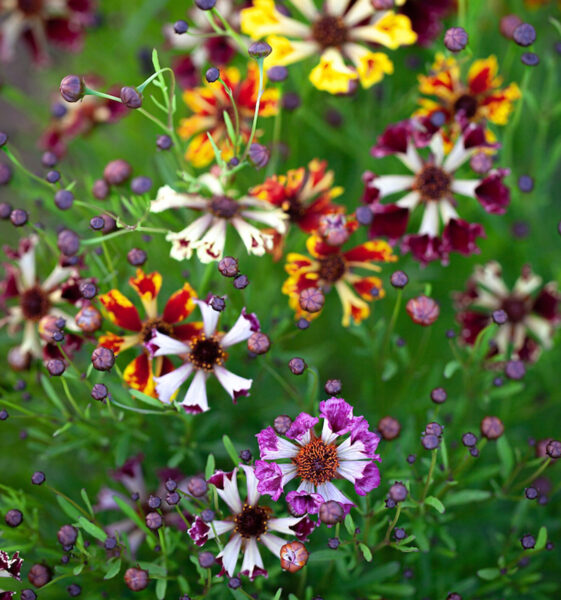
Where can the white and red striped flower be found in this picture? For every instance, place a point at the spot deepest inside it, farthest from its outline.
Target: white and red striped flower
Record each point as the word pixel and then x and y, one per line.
pixel 345 449
pixel 433 189
pixel 250 523
pixel 203 355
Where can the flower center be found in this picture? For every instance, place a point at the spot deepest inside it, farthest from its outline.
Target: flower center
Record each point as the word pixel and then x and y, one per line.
pixel 293 208
pixel 157 324
pixel 515 308
pixel 317 462
pixel 35 303
pixel 330 31
pixel 332 268
pixel 30 7
pixel 224 207
pixel 466 103
pixel 206 352
pixel 252 521
pixel 433 183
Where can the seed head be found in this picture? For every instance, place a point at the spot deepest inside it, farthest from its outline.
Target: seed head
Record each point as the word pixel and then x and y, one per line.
pixel 131 97
pixel 55 367
pixel 136 579
pixel 553 449
pixel 492 428
pixel 389 428
pixel 228 266
pixel 72 88
pixel 99 391
pixel 456 39
pixel 103 358
pixel 311 300
pixel 258 343
pixel 293 556
pixel 217 303
pixel 241 282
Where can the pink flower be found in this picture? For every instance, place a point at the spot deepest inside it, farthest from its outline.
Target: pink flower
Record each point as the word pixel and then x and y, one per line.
pixel 423 310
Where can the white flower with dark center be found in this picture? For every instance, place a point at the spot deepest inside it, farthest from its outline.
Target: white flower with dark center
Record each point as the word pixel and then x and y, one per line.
pixel 203 355
pixel 207 234
pixel 250 523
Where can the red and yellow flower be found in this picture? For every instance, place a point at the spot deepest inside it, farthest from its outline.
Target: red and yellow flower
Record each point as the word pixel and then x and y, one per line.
pixel 304 194
pixel 480 98
pixel 331 266
pixel 208 104
pixel 139 374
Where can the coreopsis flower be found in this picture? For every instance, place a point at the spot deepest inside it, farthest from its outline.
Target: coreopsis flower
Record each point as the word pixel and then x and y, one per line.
pixel 426 17
pixel 479 99
pixel 340 34
pixel 250 523
pixel 219 208
pixel 38 303
pixel 345 449
pixel 61 23
pixel 529 311
pixel 75 119
pixel 433 189
pixel 10 567
pixel 204 354
pixel 202 43
pixel 331 266
pixel 208 104
pixel 131 477
pixel 304 194
pixel 139 373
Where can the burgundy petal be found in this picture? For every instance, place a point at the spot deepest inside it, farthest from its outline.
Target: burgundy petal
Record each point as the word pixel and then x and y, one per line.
pixel 393 140
pixel 493 194
pixel 389 221
pixel 472 323
pixel 546 304
pixel 460 236
pixel 424 248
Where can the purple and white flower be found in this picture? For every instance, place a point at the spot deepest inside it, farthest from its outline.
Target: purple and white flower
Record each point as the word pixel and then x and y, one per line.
pixel 250 523
pixel 345 449
pixel 203 355
pixel 10 567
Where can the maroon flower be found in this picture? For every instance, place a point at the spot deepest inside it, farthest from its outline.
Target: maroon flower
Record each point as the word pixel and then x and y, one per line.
pixel 426 17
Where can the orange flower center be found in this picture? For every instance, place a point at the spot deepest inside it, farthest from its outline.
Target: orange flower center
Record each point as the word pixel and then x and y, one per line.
pixel 252 521
pixel 317 462
pixel 330 31
pixel 206 352
pixel 157 324
pixel 35 303
pixel 468 104
pixel 332 268
pixel 433 183
pixel 224 207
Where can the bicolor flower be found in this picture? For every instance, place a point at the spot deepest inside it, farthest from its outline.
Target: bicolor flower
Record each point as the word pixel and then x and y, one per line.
pixel 37 301
pixel 139 373
pixel 131 477
pixel 532 311
pixel 481 98
pixel 207 234
pixel 61 23
pixel 10 567
pixel 331 266
pixel 340 34
pixel 304 194
pixel 208 104
pixel 250 523
pixel 203 355
pixel 345 449
pixel 433 190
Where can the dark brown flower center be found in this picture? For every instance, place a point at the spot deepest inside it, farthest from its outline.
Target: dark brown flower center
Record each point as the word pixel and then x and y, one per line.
pixel 35 303
pixel 466 103
pixel 515 308
pixel 294 208
pixel 206 352
pixel 30 7
pixel 332 268
pixel 252 521
pixel 157 324
pixel 224 207
pixel 330 31
pixel 317 462
pixel 433 183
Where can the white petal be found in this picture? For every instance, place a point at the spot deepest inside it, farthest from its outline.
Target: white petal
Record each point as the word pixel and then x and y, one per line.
pixel 210 317
pixel 27 264
pixel 409 201
pixel 219 527
pixel 359 11
pixel 183 241
pixel 487 300
pixel 211 246
pixel 230 493
pixel 447 211
pixel 329 492
pixel 167 345
pixel 57 276
pixel 465 187
pixel 306 7
pixel 352 469
pixel 437 148
pixel 489 276
pixel 389 184
pixel 336 7
pixel 289 472
pixel 167 198
pixel 307 486
pixel 541 328
pixel 255 241
pixel 252 494
pixel 232 383
pixel 286 449
pixel 230 554
pixel 502 338
pixel 348 451
pixel 457 156
pixel 212 184
pixel 327 434
pixel 284 524
pixel 31 342
pixel 273 543
pixel 411 159
pixel 277 219
pixel 240 331
pixel 196 394
pixel 527 285
pixel 252 557
pixel 430 222
pixel 168 384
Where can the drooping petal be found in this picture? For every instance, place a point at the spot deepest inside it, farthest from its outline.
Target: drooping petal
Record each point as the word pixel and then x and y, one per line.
pixel 338 415
pixel 270 479
pixel 139 376
pixel 163 345
pixel 329 492
pixel 303 503
pixel 252 484
pixel 211 246
pixel 184 241
pixel 118 343
pixel 242 329
pixel 195 400
pixel 167 385
pixel 235 385
pixel 255 241
pixel 252 562
pixel 227 489
pixel 210 317
pixel 231 553
pixel 167 198
pixel 300 428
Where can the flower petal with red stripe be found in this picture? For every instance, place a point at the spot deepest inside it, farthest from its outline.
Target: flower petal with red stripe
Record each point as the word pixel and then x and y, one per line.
pixel 121 310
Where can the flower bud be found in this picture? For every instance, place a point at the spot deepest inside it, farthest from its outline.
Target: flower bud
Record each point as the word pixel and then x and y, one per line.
pixel 259 155
pixel 259 50
pixel 100 189
pixel 52 176
pixel 553 449
pixel 39 575
pixel 398 492
pixel 55 367
pixel 456 39
pixel 67 535
pixel 38 478
pixel 180 27
pixel 515 369
pixel 423 310
pixel 131 97
pixel 258 343
pixel 206 560
pixel 430 441
pixel 524 35
pixel 212 74
pixel 311 300
pixel 333 386
pixel 68 242
pixel 5 210
pixel 205 4
pixel 141 185
pixel 241 282
pixel 164 142
pixel 99 392
pixel 228 266
pixel 72 88
pixel 103 359
pixel 154 520
pixel 530 59
pixel 469 440
pixel 293 556
pixel 28 594
pixel 438 395
pixel 136 257
pixel 389 428
pixel 13 518
pixel 117 172
pixel 136 579
pixel 3 139
pixel 527 541
pixel 282 424
pixel 277 74
pixel 49 159
pixel 64 199
pixel 297 365
pixel 19 217
pixel 197 487
pixel 399 279
pixel 331 512
pixel 88 319
pixel 492 428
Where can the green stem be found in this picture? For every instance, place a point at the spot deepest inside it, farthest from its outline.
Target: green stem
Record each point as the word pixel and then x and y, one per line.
pixel 90 92
pixel 391 325
pixel 429 476
pixel 21 166
pixel 70 398
pixel 228 30
pixel 536 474
pixel 256 113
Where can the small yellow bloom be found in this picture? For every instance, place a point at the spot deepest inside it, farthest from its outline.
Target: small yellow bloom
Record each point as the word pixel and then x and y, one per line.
pixel 332 75
pixel 372 67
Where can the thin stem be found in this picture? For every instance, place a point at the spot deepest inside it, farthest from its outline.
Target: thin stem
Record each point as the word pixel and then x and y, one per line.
pixel 90 92
pixel 429 476
pixel 70 398
pixel 391 325
pixel 228 29
pixel 21 166
pixel 537 473
pixel 257 103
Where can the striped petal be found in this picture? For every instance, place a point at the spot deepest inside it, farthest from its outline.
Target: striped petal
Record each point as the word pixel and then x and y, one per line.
pixel 121 311
pixel 147 286
pixel 180 305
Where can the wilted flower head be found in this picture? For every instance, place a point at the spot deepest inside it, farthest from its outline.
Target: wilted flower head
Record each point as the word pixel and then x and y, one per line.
pixel 530 311
pixel 339 33
pixel 423 310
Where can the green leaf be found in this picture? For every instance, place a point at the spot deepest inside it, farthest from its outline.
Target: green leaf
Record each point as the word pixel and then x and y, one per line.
pixel 229 127
pixel 146 398
pixel 277 596
pixel 389 370
pixel 62 429
pixel 131 513
pixel 68 508
pixel 210 466
pixel 216 150
pixel 481 346
pixel 506 456
pixel 366 552
pixel 78 569
pixel 114 568
pixel 161 586
pixel 450 368
pixel 466 497
pixel 541 540
pixel 231 450
pixel 489 574
pixel 435 503
pixel 92 529
pixel 406 549
pixel 53 396
pixel 350 525
pixel 156 571
pixel 86 500
pixel 399 590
